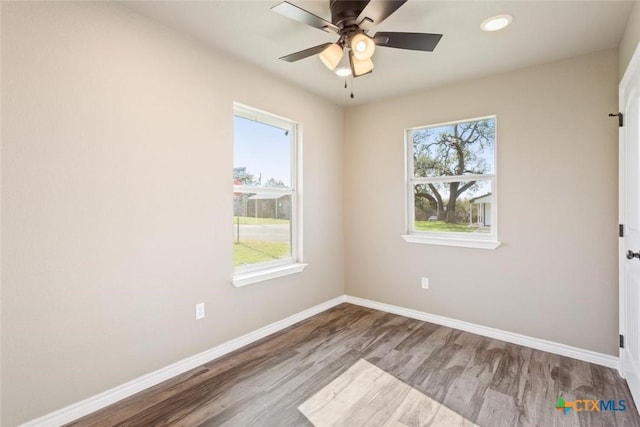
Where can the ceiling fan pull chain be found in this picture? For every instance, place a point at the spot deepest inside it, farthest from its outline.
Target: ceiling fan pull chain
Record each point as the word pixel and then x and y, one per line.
pixel 352 87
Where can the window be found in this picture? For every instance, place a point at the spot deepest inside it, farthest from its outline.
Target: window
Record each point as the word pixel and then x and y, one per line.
pixel 265 196
pixel 451 184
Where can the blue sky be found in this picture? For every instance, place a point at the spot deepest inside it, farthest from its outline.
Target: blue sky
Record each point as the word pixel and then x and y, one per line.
pixel 262 149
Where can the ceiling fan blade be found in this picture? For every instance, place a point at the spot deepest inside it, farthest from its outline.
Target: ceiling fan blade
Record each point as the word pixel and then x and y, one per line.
pixel 377 11
pixel 298 14
pixel 293 57
pixel 412 41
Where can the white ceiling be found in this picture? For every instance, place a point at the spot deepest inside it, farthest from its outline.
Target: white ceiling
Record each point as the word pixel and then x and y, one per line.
pixel 541 31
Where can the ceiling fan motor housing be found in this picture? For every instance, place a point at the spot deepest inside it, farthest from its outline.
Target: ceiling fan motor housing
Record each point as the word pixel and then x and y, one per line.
pixel 345 12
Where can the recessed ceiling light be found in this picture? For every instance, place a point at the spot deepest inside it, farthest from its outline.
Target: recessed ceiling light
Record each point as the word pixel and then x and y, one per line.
pixel 496 23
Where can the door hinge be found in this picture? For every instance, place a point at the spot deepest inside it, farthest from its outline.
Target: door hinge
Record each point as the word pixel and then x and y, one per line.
pixel 620 230
pixel 620 118
pixel 621 341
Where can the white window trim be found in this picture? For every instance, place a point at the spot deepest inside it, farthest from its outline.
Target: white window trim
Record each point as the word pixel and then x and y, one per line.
pixel 243 279
pixel 451 241
pixel 256 273
pixel 464 240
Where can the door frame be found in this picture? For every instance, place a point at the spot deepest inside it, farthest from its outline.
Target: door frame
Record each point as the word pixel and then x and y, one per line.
pixel 632 71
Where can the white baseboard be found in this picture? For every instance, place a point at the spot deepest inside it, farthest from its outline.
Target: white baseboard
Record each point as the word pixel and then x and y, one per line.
pixel 535 343
pixel 102 400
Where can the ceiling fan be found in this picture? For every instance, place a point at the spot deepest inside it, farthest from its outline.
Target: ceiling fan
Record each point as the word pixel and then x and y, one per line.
pixel 351 20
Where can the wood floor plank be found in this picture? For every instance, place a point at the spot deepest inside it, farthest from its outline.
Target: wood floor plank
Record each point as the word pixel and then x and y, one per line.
pixel 498 410
pixel 463 388
pixel 432 375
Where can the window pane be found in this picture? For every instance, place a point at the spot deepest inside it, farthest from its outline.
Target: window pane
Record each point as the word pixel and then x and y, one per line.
pixel 261 154
pixel 469 212
pixel 463 148
pixel 261 228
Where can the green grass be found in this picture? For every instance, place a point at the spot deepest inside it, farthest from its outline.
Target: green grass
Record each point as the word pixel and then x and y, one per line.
pixel 443 226
pixel 255 251
pixel 248 220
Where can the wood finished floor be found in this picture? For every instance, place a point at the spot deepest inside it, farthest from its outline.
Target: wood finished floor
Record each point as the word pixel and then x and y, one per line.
pixel 366 395
pixel 487 382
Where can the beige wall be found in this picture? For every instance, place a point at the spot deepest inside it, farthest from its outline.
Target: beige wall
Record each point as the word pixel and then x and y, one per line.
pixel 116 201
pixel 555 276
pixel 630 39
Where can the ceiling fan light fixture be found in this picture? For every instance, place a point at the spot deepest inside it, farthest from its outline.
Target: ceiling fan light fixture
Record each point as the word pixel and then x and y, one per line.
pixel 496 22
pixel 331 56
pixel 360 67
pixel 343 71
pixel 362 46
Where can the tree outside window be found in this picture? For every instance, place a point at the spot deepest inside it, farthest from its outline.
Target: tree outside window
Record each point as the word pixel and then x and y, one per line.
pixel 451 178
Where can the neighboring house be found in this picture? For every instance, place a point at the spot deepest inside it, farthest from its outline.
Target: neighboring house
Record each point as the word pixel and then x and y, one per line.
pixel 483 210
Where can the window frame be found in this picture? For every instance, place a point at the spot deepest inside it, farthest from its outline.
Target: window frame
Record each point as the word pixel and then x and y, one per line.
pixel 450 238
pixel 259 272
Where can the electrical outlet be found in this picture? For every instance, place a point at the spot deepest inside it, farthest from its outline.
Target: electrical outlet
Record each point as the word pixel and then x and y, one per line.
pixel 199 311
pixel 425 283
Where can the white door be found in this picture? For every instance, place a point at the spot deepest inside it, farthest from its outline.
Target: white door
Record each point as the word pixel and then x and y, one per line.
pixel 630 218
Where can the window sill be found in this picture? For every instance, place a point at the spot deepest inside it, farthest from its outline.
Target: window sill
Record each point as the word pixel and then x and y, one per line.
pixel 448 241
pixel 266 274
